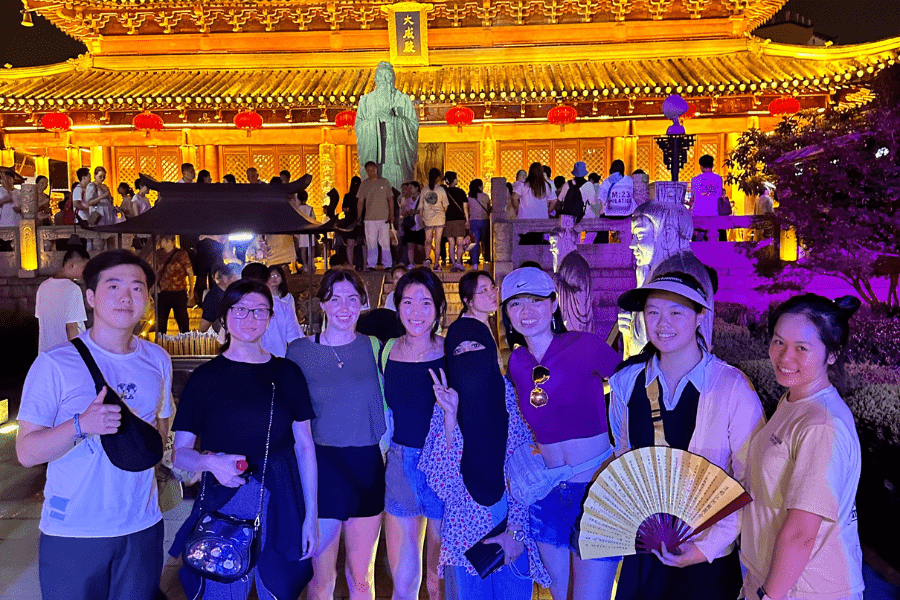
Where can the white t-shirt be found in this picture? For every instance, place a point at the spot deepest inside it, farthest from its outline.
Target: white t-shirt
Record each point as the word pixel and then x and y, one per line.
pixel 78 195
pixel 389 301
pixel 282 330
pixel 59 301
pixel 706 189
pixel 617 196
pixel 8 215
pixel 806 457
pixel 531 207
pixel 85 495
pixel 433 206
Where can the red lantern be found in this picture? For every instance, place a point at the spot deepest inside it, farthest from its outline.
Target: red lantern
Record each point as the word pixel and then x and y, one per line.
pixel 459 116
pixel 562 115
pixel 785 105
pixel 691 111
pixel 345 118
pixel 147 122
pixel 249 120
pixel 56 122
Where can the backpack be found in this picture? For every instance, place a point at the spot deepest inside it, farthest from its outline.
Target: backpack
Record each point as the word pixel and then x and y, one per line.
pixel 573 203
pixel 68 213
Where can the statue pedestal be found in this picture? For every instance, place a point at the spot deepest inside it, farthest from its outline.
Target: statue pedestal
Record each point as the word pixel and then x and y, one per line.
pixel 672 192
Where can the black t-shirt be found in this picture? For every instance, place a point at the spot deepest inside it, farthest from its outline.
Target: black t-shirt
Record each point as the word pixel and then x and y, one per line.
pixel 457 200
pixel 212 302
pixel 226 404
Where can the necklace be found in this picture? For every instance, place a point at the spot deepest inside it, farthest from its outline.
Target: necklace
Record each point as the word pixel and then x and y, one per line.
pixel 421 354
pixel 340 363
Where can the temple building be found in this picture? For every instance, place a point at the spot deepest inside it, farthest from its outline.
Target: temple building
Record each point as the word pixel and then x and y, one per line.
pixel 230 84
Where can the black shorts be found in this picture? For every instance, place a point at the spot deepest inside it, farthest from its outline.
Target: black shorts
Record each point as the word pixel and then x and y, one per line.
pixel 414 237
pixel 351 481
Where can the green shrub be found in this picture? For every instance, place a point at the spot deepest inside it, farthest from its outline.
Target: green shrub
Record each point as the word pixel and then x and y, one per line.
pixel 876 408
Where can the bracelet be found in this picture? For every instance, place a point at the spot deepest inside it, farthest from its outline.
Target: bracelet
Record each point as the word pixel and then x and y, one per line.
pixel 517 535
pixel 79 435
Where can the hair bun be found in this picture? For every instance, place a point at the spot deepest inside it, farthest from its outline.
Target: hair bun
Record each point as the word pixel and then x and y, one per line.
pixel 848 305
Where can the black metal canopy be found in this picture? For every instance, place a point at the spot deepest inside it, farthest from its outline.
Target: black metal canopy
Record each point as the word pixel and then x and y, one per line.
pixel 220 208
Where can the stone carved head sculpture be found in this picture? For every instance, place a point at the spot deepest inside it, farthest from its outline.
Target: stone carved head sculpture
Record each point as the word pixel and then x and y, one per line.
pixel 658 231
pixel 573 283
pixel 661 236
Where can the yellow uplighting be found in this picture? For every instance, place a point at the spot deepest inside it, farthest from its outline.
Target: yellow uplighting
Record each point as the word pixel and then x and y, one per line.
pixel 9 428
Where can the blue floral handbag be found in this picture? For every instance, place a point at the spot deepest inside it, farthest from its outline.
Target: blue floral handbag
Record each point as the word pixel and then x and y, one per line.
pixel 222 547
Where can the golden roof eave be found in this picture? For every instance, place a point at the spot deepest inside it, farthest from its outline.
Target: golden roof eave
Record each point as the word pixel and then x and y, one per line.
pixel 748 66
pixel 88 20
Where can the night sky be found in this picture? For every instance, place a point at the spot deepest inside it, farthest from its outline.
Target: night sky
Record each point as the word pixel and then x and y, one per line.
pixel 852 21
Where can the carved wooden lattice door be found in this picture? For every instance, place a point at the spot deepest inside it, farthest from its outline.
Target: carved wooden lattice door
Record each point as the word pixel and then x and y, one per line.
pixel 463 159
pixel 162 163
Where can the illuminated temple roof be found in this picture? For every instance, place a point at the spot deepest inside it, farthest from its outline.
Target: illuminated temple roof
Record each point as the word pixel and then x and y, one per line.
pixel 87 19
pixel 607 58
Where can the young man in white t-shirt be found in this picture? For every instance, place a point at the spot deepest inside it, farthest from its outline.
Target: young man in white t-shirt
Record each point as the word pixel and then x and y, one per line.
pixel 59 306
pixel 101 527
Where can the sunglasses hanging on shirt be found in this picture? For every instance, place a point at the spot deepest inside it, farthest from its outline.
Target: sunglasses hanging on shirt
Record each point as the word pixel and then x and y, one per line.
pixel 539 375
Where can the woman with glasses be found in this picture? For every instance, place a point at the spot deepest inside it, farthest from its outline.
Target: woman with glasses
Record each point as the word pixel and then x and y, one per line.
pixel 478 294
pixel 228 404
pixel 558 377
pixel 344 386
pixel 473 431
pixel 675 393
pixel 411 508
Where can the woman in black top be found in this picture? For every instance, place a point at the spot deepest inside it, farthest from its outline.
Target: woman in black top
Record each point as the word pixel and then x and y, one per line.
pixel 457 220
pixel 411 507
pixel 226 404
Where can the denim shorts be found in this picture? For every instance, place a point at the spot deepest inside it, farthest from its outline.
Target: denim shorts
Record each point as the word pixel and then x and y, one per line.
pixel 554 519
pixel 406 493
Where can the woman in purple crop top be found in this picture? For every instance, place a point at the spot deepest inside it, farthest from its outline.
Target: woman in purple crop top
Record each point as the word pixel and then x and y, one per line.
pixel 558 377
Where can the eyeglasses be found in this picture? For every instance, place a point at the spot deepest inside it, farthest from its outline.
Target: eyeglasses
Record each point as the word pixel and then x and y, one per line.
pixel 260 314
pixel 539 376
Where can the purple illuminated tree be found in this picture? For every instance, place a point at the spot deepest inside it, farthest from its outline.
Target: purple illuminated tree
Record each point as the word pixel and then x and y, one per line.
pixel 837 176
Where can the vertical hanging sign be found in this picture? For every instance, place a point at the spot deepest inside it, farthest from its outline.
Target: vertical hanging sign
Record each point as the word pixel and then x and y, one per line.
pixel 408 32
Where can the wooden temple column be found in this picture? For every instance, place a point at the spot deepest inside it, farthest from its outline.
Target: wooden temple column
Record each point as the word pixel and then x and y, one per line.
pixel 210 154
pixel 618 152
pixel 187 152
pixel 101 156
pixel 73 160
pixel 42 166
pixel 488 150
pixel 8 157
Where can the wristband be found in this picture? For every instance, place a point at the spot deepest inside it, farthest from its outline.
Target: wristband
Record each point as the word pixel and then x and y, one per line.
pixel 761 592
pixel 78 433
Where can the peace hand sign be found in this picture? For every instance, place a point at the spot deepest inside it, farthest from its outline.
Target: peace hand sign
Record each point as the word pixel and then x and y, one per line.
pixel 446 396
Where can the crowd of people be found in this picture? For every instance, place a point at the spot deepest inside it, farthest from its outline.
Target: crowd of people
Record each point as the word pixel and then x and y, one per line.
pixel 327 438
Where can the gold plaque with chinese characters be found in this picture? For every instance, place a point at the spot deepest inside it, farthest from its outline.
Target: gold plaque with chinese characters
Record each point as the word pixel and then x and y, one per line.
pixel 408 33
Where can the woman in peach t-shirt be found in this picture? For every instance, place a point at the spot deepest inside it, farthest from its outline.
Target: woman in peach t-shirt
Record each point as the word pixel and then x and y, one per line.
pixel 799 536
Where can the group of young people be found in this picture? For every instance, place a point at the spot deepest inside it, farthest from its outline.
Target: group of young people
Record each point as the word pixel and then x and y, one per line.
pixel 417 435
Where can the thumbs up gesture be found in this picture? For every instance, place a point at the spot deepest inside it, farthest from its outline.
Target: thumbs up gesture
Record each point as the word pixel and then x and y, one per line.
pixel 100 418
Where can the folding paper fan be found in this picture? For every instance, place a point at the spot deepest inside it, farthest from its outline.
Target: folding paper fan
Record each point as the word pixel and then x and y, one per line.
pixel 653 495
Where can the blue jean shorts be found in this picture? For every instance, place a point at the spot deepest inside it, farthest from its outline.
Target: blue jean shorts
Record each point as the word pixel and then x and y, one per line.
pixel 406 492
pixel 554 519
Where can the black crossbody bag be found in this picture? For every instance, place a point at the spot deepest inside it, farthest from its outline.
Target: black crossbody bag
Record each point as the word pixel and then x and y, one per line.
pixel 137 445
